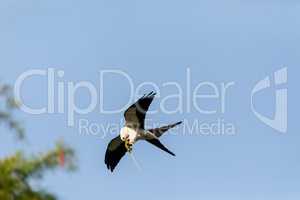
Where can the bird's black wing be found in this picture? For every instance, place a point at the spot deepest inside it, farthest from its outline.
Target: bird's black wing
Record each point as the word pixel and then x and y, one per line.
pixel 136 113
pixel 115 151
pixel 158 144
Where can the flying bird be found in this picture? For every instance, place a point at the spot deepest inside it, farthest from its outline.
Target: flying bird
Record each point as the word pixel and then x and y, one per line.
pixel 133 131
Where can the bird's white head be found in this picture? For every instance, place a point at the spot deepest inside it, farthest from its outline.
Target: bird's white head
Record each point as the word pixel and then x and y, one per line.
pixel 124 133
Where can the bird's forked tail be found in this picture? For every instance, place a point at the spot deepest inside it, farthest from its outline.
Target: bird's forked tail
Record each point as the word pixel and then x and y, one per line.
pixel 158 132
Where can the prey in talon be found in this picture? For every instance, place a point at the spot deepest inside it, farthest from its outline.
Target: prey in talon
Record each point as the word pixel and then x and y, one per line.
pixel 128 145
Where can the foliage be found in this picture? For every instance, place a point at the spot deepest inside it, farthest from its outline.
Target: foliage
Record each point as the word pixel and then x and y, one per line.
pixel 16 171
pixel 9 104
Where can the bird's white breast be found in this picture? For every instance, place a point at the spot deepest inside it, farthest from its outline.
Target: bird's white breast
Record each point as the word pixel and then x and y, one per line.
pixel 129 133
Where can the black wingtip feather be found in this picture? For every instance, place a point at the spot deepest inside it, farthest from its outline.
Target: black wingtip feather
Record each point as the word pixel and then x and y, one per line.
pixel 151 94
pixel 178 123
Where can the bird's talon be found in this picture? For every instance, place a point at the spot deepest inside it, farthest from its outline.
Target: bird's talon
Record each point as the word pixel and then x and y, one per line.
pixel 128 146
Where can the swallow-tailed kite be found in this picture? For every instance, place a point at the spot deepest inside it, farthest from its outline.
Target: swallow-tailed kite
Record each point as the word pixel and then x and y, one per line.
pixel 134 131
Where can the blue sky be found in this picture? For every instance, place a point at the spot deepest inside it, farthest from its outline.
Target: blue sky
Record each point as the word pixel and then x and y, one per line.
pixel 219 41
